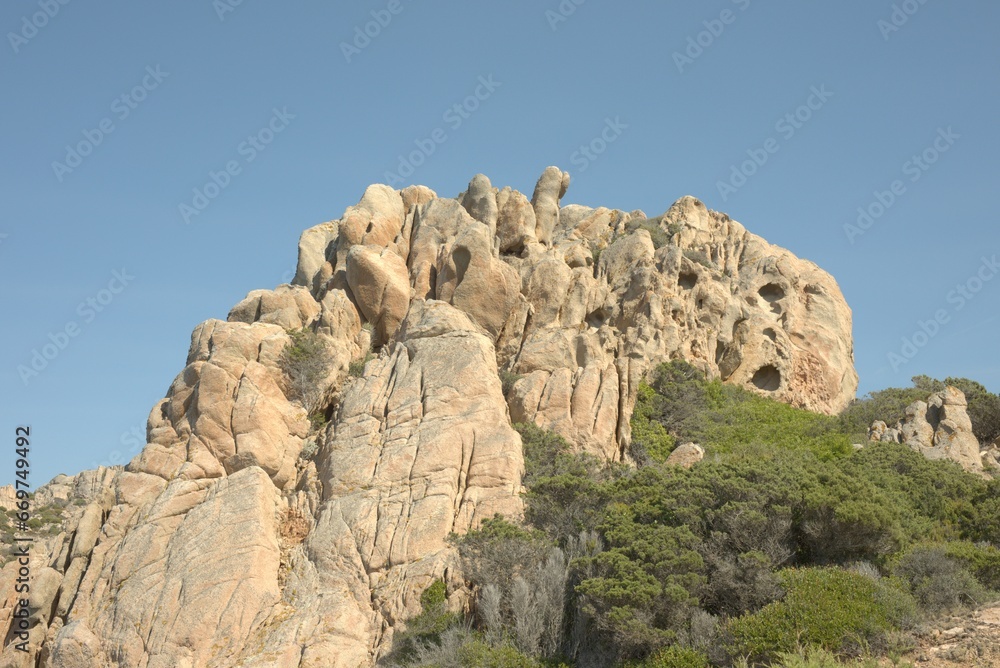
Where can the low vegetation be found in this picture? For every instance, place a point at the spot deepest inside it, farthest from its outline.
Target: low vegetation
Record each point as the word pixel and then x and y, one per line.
pixel 785 546
pixel 306 362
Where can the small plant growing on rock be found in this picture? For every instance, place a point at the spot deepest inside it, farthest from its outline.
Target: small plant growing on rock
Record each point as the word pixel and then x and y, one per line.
pixel 306 362
pixel 507 380
pixel 698 257
pixel 659 236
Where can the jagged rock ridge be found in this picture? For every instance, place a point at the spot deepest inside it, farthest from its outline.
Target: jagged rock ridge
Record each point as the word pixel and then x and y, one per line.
pixel 220 545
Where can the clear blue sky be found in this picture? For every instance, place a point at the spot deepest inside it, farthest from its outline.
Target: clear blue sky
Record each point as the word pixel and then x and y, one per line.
pixel 207 83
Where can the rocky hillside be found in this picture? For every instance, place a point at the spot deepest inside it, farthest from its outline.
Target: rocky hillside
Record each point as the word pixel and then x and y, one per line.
pixel 269 525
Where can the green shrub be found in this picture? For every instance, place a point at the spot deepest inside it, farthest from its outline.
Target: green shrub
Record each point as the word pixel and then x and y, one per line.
pixel 831 608
pixel 542 451
pixel 499 551
pixel 427 629
pixel 564 489
pixel 820 658
pixel 306 362
pixel 650 440
pixel 721 417
pixel 938 582
pixel 507 380
pixel 657 234
pixel 983 561
pixel 356 369
pixel 937 500
pixel 675 656
pixel 699 257
pixel 318 420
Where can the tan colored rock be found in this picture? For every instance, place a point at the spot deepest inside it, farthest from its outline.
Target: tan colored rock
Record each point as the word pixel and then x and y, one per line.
pixel 686 455
pixel 376 220
pixel 288 306
pixel 435 227
pixel 8 497
pixel 940 428
pixel 189 580
pixel 515 221
pixel 551 186
pixel 380 286
pixel 414 196
pixel 421 448
pixel 227 409
pixel 480 200
pixel 317 247
pixel 473 280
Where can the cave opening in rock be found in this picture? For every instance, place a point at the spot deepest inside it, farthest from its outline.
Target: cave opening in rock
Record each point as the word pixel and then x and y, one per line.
pixel 767 378
pixel 771 292
pixel 687 280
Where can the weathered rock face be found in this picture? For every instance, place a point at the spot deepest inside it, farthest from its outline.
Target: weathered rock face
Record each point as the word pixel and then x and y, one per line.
pixel 938 428
pixel 686 455
pixel 245 534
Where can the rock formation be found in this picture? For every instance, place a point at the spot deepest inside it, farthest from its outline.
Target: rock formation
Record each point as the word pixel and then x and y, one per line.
pixel 686 455
pixel 938 428
pixel 245 535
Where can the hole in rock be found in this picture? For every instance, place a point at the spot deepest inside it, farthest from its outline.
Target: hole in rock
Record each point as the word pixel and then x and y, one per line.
pixel 767 378
pixel 687 280
pixel 771 334
pixel 771 292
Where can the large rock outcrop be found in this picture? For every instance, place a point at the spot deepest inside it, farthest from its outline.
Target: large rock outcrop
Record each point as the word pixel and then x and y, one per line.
pixel 939 428
pixel 255 531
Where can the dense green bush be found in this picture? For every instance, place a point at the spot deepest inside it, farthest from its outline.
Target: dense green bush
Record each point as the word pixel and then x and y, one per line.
pixel 651 442
pixel 675 656
pixel 982 560
pixel 721 417
pixel 564 489
pixel 831 608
